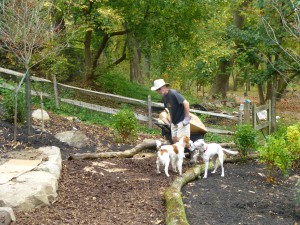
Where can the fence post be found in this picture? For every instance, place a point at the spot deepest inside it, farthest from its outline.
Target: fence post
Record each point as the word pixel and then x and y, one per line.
pixel 247 111
pixel 254 116
pixel 55 91
pixel 149 111
pixel 241 109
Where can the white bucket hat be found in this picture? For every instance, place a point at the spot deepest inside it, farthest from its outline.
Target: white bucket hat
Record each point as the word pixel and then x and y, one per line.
pixel 158 84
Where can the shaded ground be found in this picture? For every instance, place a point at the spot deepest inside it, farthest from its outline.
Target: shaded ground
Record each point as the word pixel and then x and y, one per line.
pixel 241 197
pixel 128 191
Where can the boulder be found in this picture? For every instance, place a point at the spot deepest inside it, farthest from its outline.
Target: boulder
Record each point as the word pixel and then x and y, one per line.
pixel 38 114
pixel 7 216
pixel 35 188
pixel 73 138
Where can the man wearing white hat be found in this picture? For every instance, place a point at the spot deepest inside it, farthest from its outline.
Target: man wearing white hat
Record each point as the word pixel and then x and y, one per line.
pixel 178 107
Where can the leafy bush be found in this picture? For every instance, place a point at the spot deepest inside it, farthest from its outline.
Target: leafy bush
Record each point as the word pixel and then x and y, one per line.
pixel 276 156
pixel 245 138
pixel 293 143
pixel 282 150
pixel 125 125
pixel 9 106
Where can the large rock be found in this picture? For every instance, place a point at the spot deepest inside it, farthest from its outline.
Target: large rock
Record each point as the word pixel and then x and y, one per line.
pixel 39 114
pixel 35 188
pixel 53 164
pixel 73 138
pixel 7 216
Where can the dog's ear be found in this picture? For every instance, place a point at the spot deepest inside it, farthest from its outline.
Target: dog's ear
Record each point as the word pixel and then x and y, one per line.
pixel 192 146
pixel 158 144
pixel 175 149
pixel 186 139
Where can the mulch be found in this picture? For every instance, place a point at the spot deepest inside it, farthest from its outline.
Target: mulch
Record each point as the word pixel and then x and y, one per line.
pixel 129 191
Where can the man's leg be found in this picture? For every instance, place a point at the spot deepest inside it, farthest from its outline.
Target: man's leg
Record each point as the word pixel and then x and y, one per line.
pixel 174 130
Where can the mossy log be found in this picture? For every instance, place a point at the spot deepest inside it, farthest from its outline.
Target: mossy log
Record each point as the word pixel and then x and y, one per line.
pixel 147 144
pixel 173 197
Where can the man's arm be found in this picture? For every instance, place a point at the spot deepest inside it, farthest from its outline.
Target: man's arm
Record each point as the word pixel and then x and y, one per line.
pixel 186 106
pixel 187 117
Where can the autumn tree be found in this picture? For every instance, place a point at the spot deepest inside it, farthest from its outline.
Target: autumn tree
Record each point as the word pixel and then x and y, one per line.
pixel 25 28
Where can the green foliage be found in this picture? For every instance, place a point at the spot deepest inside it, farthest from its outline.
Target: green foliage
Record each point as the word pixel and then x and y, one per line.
pixel 9 106
pixel 64 66
pixel 293 143
pixel 281 150
pixel 212 137
pixel 245 138
pixel 115 83
pixel 276 156
pixel 125 125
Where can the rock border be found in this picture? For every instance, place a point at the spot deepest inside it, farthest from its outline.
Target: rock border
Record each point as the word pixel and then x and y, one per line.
pixel 35 188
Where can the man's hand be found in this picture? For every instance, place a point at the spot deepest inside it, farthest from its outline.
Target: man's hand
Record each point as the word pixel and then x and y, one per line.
pixel 186 120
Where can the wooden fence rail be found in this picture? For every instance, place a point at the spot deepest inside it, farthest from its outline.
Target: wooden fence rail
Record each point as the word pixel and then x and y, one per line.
pixel 118 98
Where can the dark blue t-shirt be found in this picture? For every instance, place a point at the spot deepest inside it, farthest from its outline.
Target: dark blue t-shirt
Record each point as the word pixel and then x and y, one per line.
pixel 173 101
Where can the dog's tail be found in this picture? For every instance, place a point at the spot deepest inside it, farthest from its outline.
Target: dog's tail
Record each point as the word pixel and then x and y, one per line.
pixel 230 151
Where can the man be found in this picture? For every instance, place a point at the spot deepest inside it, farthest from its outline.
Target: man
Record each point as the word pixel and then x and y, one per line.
pixel 178 107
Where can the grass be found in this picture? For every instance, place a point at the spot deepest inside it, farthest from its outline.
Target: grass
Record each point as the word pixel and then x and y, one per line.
pixel 115 83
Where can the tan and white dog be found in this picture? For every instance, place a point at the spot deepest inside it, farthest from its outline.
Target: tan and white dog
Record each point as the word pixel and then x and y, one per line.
pixel 211 150
pixel 172 153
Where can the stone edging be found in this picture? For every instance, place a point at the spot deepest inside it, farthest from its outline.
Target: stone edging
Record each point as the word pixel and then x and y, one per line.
pixel 35 188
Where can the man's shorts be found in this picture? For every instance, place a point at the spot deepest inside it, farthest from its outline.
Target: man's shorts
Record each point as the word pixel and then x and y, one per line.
pixel 180 130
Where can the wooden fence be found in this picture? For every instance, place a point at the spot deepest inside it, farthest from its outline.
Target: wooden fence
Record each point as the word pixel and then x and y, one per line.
pixel 149 104
pixel 258 116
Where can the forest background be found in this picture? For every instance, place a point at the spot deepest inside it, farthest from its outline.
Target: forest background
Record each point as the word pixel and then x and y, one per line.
pixel 194 45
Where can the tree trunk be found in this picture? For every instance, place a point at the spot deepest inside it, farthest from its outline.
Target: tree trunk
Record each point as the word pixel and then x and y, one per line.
pixel 282 85
pixel 147 66
pixel 28 102
pixel 88 55
pixel 273 104
pixel 100 49
pixel 126 154
pixel 235 82
pixel 260 90
pixel 147 61
pixel 135 61
pixel 269 90
pixel 221 80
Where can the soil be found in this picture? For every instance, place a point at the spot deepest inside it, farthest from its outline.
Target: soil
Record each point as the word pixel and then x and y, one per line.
pixel 129 191
pixel 241 197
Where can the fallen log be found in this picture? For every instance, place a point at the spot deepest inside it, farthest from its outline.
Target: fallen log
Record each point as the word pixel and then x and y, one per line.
pixel 173 197
pixel 228 145
pixel 125 154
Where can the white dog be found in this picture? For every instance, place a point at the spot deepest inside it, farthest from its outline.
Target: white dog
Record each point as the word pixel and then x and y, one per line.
pixel 173 153
pixel 212 151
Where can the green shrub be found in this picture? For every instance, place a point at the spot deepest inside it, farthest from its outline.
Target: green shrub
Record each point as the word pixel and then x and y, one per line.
pixel 9 106
pixel 276 156
pixel 281 150
pixel 245 138
pixel 125 125
pixel 293 143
